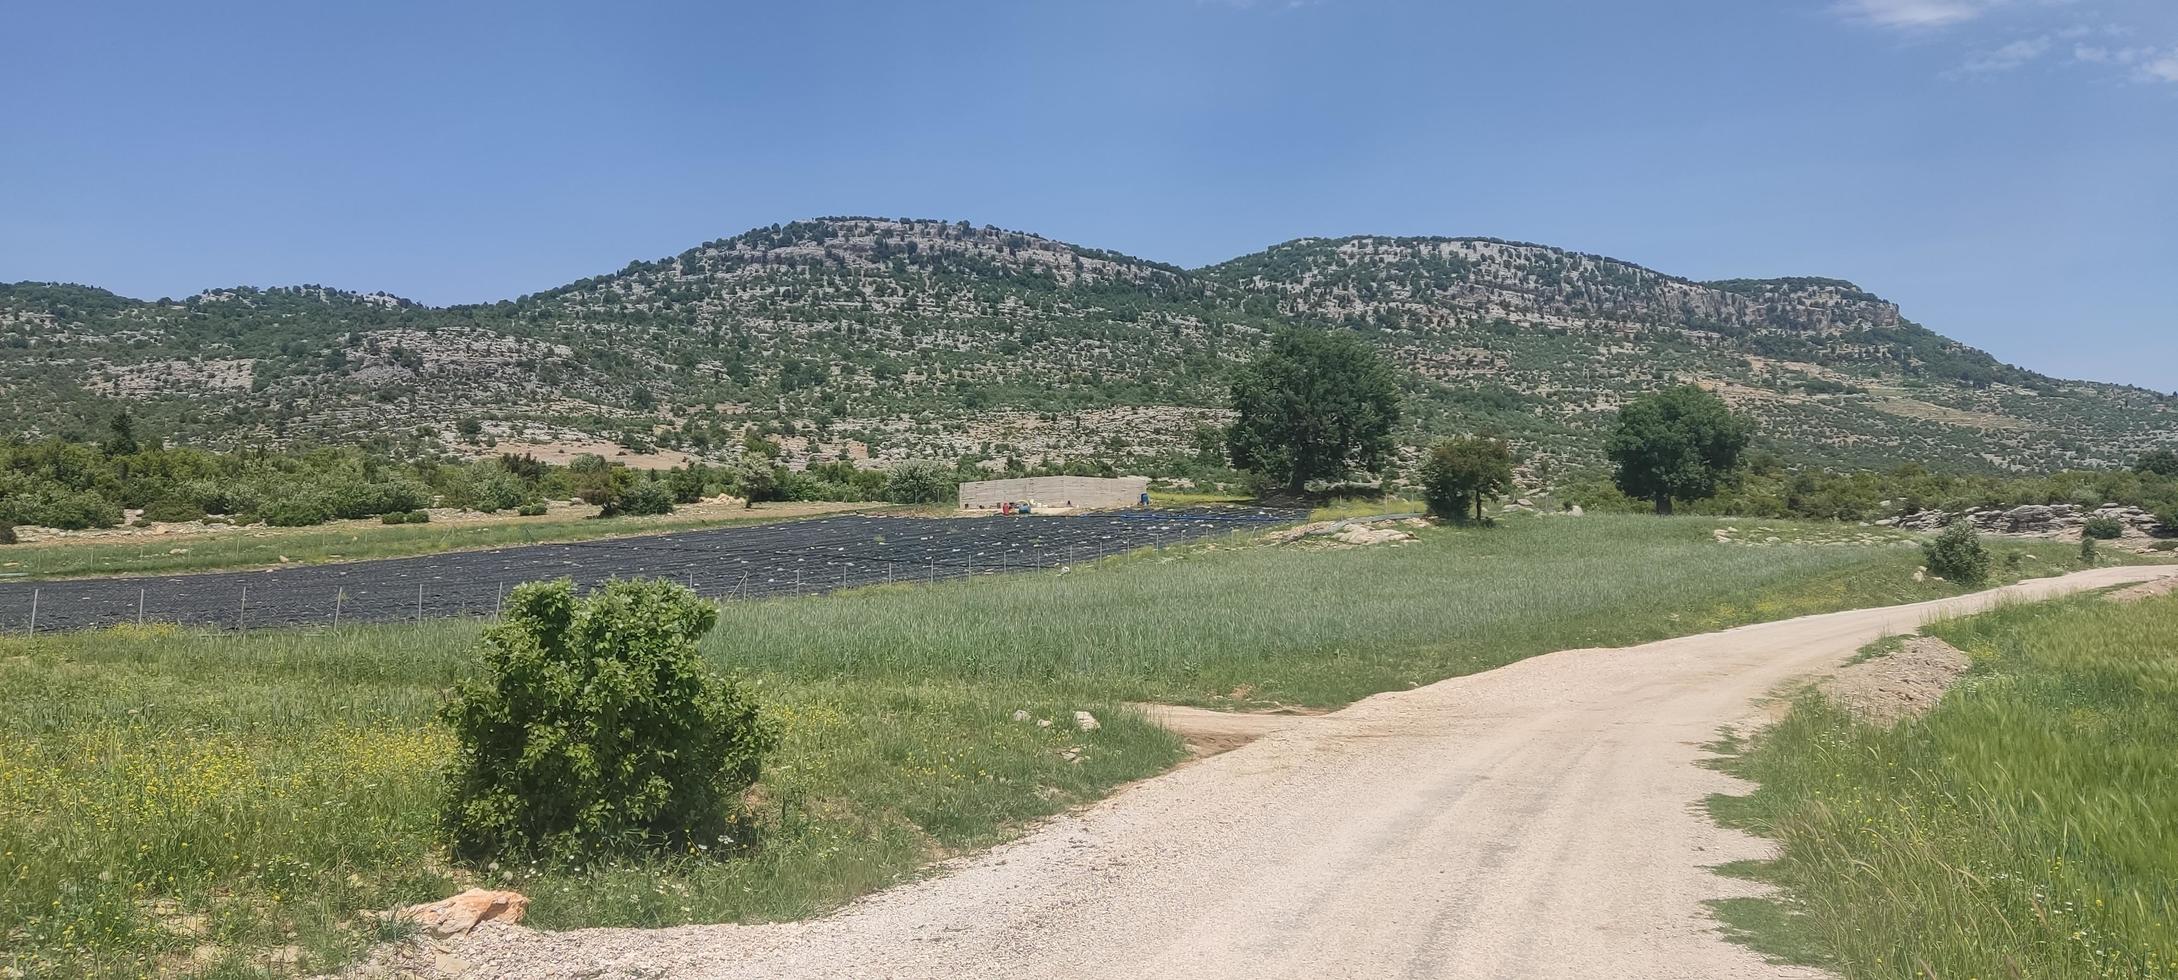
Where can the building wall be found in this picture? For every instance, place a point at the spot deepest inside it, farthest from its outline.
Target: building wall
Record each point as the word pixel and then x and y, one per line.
pixel 1055 491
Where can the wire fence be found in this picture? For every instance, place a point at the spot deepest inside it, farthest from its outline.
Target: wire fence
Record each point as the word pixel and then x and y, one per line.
pixel 727 564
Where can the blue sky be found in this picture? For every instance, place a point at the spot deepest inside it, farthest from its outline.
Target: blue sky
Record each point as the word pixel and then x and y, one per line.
pixel 2005 169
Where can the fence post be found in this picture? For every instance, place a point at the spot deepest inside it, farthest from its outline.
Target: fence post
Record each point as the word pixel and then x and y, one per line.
pixel 419 602
pixel 34 612
pixel 338 595
pixel 242 619
pixel 139 607
pixel 500 600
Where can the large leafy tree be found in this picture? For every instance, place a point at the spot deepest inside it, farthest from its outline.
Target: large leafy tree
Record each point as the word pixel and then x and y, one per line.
pixel 1460 474
pixel 1679 444
pixel 1316 406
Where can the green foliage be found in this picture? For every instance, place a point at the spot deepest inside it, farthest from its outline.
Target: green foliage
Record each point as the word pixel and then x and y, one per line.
pixel 2104 528
pixel 1680 444
pixel 2087 550
pixel 598 730
pixel 1461 474
pixel 536 509
pixel 7 533
pixel 1317 406
pixel 173 510
pixel 487 487
pixel 922 482
pixel 2028 806
pixel 1957 555
pixel 2161 462
pixel 757 480
pixel 689 483
pixel 416 517
pixel 393 518
pixel 643 498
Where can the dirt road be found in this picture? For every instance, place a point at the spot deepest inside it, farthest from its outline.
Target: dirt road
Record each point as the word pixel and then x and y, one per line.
pixel 1541 820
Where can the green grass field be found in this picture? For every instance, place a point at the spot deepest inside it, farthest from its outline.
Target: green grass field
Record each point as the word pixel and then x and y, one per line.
pixel 173 801
pixel 2022 829
pixel 259 547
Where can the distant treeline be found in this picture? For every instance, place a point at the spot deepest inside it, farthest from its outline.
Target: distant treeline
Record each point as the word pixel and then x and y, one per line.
pixel 1771 487
pixel 78 485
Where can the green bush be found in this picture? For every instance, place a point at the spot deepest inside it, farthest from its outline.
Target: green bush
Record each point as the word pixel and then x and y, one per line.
pixel 297 512
pixel 2103 528
pixel 357 500
pixel 393 518
pixel 416 517
pixel 597 729
pixel 71 510
pixel 534 509
pixel 1957 555
pixel 645 498
pixel 2087 550
pixel 922 482
pixel 172 510
pixel 7 533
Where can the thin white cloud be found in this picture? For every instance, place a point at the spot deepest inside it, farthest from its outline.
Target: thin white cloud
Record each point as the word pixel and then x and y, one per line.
pixel 1913 14
pixel 2161 69
pixel 2008 57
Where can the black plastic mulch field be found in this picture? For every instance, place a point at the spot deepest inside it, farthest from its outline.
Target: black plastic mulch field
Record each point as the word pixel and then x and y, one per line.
pixel 794 558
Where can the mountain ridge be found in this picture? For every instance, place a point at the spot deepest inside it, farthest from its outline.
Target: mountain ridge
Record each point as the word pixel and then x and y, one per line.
pixel 896 338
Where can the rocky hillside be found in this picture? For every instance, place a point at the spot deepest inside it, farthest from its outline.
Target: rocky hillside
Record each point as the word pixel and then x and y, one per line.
pixel 893 339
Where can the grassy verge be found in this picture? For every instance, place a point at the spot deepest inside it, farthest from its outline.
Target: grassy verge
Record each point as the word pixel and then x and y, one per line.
pixel 174 801
pixel 258 547
pixel 2022 829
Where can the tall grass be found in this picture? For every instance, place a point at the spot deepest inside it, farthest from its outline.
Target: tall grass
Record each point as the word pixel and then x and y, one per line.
pixel 2023 829
pixel 176 802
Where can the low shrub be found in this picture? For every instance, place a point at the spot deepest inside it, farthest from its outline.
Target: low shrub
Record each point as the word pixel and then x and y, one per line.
pixel 173 510
pixel 646 498
pixel 598 729
pixel 393 518
pixel 2103 528
pixel 1957 555
pixel 531 510
pixel 416 517
pixel 297 512
pixel 7 533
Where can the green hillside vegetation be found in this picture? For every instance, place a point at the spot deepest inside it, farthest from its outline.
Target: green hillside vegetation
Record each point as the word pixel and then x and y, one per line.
pixel 942 340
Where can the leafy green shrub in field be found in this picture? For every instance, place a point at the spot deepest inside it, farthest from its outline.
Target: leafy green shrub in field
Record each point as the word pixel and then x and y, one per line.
pixel 7 533
pixel 1463 473
pixel 645 498
pixel 922 482
pixel 416 517
pixel 487 487
pixel 297 512
pixel 598 729
pixel 172 510
pixel 2087 549
pixel 393 518
pixel 1957 555
pixel 353 501
pixel 2103 528
pixel 534 509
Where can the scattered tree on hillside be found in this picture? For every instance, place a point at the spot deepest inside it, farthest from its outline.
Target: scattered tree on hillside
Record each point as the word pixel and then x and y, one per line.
pixel 2161 462
pixel 1460 474
pixel 1317 405
pixel 1680 444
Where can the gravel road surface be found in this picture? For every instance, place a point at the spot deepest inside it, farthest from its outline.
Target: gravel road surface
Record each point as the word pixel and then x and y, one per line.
pixel 1540 820
pixel 789 558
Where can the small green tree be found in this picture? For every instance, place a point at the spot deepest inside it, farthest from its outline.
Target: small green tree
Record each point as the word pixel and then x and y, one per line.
pixel 1957 555
pixel 757 480
pixel 1461 474
pixel 921 482
pixel 645 498
pixel 1680 444
pixel 2087 550
pixel 596 480
pixel 2104 528
pixel 598 729
pixel 1318 405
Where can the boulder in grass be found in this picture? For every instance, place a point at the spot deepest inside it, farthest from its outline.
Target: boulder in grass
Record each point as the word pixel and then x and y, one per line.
pixel 458 915
pixel 1086 721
